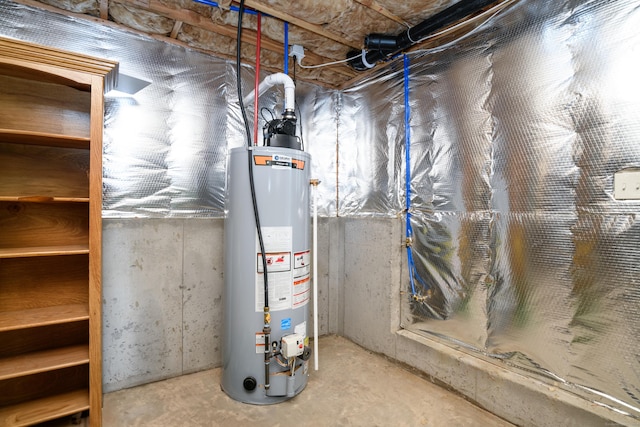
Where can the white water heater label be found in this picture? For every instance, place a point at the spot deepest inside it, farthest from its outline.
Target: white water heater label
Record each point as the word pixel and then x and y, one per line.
pixel 301 329
pixel 278 244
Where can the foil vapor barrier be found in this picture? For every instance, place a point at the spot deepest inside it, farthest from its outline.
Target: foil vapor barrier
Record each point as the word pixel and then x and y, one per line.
pixel 522 251
pixel 165 147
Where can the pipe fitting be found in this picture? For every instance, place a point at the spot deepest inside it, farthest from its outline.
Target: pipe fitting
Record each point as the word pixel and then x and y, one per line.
pixel 382 46
pixel 272 80
pixel 381 42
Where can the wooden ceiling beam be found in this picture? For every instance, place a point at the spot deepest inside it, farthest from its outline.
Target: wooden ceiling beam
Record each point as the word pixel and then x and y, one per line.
pixel 190 17
pixel 176 29
pixel 53 9
pixel 314 28
pixel 377 7
pixel 104 9
pixel 248 36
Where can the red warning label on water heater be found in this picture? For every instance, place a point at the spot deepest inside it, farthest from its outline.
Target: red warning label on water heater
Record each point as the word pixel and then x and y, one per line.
pixel 279 161
pixel 301 278
pixel 302 263
pixel 301 291
pixel 278 261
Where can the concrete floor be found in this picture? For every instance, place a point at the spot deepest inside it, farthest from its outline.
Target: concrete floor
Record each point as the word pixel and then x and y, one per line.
pixel 353 387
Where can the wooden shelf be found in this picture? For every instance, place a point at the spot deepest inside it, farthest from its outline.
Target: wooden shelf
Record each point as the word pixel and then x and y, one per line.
pixel 44 139
pixel 43 251
pixel 55 173
pixel 51 131
pixel 42 361
pixel 41 410
pixel 13 320
pixel 44 199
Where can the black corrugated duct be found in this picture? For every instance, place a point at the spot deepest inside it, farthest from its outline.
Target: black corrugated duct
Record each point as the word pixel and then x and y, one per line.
pixel 381 46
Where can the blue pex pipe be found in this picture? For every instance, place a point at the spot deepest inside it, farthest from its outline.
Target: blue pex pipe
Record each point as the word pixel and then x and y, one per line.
pixel 233 8
pixel 253 12
pixel 286 48
pixel 407 176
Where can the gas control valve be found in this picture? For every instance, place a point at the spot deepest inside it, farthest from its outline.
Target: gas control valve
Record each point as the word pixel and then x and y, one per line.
pixel 292 345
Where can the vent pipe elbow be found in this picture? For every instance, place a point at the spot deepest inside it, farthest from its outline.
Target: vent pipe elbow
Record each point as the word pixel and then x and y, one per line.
pixel 272 80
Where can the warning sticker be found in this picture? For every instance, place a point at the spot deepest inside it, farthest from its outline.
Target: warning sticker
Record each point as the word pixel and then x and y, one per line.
pixel 301 291
pixel 302 263
pixel 259 342
pixel 301 278
pixel 279 261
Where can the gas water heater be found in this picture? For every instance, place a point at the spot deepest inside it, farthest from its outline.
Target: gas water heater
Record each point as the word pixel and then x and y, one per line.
pixel 266 351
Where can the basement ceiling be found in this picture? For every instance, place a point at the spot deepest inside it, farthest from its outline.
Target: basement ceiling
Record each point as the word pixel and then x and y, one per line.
pixel 327 30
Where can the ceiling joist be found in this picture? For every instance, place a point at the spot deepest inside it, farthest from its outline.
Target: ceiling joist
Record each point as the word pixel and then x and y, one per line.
pixel 104 9
pixel 248 36
pixel 375 6
pixel 317 29
pixel 327 30
pixel 176 29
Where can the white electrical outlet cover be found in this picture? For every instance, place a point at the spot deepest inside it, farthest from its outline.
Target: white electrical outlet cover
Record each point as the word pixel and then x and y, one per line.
pixel 626 184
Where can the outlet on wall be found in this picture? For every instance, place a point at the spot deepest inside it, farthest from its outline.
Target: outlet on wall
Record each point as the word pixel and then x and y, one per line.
pixel 626 184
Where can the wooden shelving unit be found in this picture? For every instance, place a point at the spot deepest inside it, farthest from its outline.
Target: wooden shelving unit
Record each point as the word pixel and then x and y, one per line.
pixel 51 122
pixel 36 317
pixel 42 361
pixel 46 409
pixel 43 251
pixel 46 139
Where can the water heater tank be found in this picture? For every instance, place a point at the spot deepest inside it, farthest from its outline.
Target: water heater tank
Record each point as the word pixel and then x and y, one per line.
pixel 281 177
